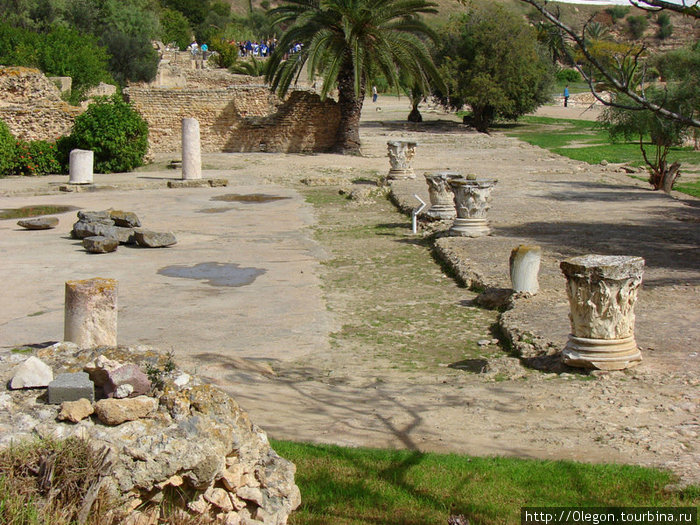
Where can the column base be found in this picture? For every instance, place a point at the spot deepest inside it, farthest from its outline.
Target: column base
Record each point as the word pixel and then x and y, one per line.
pixel 469 228
pixel 401 174
pixel 603 354
pixel 441 211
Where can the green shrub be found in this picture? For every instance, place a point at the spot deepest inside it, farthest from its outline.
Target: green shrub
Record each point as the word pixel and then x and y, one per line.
pixel 114 131
pixel 637 25
pixel 175 28
pixel 568 76
pixel 7 150
pixel 665 27
pixel 36 158
pixel 227 54
pixel 617 12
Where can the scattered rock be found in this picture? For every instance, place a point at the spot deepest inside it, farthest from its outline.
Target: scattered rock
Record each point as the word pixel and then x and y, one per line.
pixel 483 342
pixel 99 369
pixel 118 411
pixel 95 216
pixel 100 244
pixel 125 235
pixel 82 229
pixel 127 375
pixel 126 219
pixel 75 411
pixel 495 298
pixel 39 223
pixel 149 239
pixel 33 373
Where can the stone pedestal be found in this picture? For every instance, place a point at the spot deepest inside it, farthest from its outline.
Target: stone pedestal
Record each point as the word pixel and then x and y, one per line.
pixel 81 166
pixel 442 206
pixel 191 150
pixel 524 267
pixel 472 200
pixel 91 312
pixel 602 291
pixel 401 153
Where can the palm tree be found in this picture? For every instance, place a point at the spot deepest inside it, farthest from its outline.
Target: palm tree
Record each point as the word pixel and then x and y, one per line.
pixel 347 43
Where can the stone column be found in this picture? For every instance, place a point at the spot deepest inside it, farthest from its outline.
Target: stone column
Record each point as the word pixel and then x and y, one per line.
pixel 81 166
pixel 91 312
pixel 191 150
pixel 524 267
pixel 442 205
pixel 472 199
pixel 602 291
pixel 401 153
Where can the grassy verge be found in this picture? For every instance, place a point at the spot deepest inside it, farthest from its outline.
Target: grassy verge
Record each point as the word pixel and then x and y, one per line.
pixel 358 486
pixel 396 307
pixel 585 141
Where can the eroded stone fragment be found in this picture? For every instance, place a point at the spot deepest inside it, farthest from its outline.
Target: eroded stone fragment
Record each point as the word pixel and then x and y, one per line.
pixel 100 244
pixel 117 411
pixel 38 223
pixel 71 387
pixel 149 239
pixel 127 219
pixel 75 411
pixel 32 373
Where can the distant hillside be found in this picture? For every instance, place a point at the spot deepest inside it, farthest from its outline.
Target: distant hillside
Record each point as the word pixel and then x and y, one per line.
pixel 685 29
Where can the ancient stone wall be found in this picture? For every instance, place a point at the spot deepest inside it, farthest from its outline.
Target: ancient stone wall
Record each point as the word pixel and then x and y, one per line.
pixel 31 105
pixel 238 118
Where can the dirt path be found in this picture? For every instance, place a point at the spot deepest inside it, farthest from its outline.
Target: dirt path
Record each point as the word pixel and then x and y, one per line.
pixel 361 344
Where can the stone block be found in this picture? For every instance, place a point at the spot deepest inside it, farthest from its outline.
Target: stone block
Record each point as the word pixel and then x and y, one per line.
pixel 117 411
pixel 127 219
pixel 100 244
pixel 149 239
pixel 131 375
pixel 75 411
pixel 71 387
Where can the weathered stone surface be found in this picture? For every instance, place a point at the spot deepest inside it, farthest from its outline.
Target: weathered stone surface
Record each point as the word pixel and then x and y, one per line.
pixel 191 150
pixel 75 411
pixel 91 312
pixel 401 153
pixel 83 228
pixel 95 216
pixel 197 439
pixel 100 244
pixel 118 411
pixel 602 292
pixel 125 235
pixel 149 239
pixel 71 387
pixel 129 374
pixel 524 267
pixel 126 219
pixel 197 183
pixel 39 223
pixel 472 200
pixel 32 373
pixel 99 369
pixel 81 166
pixel 442 205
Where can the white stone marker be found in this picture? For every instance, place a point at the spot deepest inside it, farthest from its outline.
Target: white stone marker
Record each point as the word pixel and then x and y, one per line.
pixel 442 204
pixel 401 153
pixel 81 166
pixel 91 312
pixel 524 267
pixel 472 200
pixel 602 291
pixel 191 150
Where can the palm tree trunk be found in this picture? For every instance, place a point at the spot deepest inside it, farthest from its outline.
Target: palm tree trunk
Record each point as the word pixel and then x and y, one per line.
pixel 347 139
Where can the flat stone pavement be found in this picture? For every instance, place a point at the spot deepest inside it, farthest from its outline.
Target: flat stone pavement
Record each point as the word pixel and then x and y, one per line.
pixel 283 306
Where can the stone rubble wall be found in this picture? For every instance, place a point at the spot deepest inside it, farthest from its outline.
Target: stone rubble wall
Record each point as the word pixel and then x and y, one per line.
pixel 31 105
pixel 238 118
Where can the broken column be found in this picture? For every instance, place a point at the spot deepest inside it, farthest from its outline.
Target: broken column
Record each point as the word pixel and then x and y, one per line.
pixel 602 291
pixel 81 166
pixel 442 204
pixel 524 267
pixel 91 312
pixel 401 153
pixel 472 199
pixel 191 150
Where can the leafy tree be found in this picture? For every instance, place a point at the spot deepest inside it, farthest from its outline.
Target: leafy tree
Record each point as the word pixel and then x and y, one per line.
pixel 194 10
pixel 174 27
pixel 617 76
pixel 643 125
pixel 346 42
pixel 132 57
pixel 490 61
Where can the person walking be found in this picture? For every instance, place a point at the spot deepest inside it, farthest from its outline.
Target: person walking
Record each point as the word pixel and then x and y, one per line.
pixel 374 93
pixel 566 95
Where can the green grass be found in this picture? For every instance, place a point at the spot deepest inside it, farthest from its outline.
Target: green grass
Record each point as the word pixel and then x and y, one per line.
pixel 33 211
pixel 358 486
pixel 585 141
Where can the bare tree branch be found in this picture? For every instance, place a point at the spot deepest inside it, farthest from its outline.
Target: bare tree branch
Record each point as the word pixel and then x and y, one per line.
pixel 622 84
pixel 685 7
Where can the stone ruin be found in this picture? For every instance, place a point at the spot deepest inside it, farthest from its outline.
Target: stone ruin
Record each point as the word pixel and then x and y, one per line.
pixel 160 430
